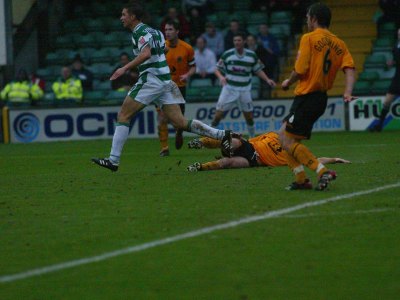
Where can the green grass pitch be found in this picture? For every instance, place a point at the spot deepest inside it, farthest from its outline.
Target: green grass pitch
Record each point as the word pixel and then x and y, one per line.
pixel 56 207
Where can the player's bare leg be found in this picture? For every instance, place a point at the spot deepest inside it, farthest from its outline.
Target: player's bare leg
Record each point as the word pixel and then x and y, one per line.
pixel 219 115
pixel 298 155
pixel 223 163
pixel 248 115
pixel 163 132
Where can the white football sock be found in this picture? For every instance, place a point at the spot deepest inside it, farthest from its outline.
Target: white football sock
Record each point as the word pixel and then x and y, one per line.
pixel 120 136
pixel 204 130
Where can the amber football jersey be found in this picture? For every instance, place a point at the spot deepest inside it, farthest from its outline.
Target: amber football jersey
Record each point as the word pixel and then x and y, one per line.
pixel 269 149
pixel 321 54
pixel 179 59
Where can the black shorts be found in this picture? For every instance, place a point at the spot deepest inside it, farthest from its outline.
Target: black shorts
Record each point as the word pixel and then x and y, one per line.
pixel 246 150
pixel 394 87
pixel 305 110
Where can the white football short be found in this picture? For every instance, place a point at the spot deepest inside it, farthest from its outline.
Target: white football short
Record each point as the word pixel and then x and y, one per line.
pixel 229 98
pixel 150 89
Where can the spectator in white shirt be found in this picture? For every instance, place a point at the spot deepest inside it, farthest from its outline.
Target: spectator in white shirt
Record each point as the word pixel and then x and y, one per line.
pixel 214 38
pixel 205 60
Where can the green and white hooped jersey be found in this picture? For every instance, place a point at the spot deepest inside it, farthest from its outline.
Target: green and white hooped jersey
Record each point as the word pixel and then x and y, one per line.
pixel 238 69
pixel 143 35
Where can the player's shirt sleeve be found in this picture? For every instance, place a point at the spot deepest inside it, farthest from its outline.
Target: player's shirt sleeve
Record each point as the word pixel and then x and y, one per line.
pixel 347 61
pixel 303 60
pixel 258 65
pixel 221 65
pixel 190 57
pixel 144 40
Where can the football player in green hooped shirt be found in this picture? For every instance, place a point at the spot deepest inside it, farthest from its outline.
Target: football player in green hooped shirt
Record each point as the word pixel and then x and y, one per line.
pixel 154 85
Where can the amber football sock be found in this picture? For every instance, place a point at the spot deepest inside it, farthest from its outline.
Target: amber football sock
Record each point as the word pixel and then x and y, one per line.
pixel 163 135
pixel 210 143
pixel 304 156
pixel 212 165
pixel 297 168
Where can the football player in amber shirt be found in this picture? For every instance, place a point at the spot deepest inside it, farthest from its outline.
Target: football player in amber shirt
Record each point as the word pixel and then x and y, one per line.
pixel 261 151
pixel 180 59
pixel 321 55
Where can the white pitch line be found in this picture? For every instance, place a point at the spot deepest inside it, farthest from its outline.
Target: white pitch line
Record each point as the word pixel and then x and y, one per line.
pixel 339 213
pixel 187 235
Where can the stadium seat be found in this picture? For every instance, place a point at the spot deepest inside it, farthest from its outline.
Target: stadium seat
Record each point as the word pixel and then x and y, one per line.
pixel 380 87
pixel 86 40
pixel 201 82
pixel 44 73
pixel 387 29
pixel 101 70
pixel 257 18
pixel 369 76
pixel 375 61
pixel 281 17
pixel 83 10
pixel 222 6
pixel 65 41
pixel 103 85
pixel 242 5
pixel 112 24
pixel 73 26
pixel 95 25
pixel 388 74
pixel 93 97
pixel 86 53
pixel 201 94
pixel 255 82
pixel 113 39
pixel 58 57
pixel 253 29
pixel 115 97
pixel 101 56
pixel 383 44
pixel 362 88
pixel 99 9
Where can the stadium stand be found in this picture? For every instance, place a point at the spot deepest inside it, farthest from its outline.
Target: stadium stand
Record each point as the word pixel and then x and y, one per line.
pixel 95 32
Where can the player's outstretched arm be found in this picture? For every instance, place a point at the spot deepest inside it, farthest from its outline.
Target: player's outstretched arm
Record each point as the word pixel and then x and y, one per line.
pixel 333 160
pixel 350 74
pixel 144 55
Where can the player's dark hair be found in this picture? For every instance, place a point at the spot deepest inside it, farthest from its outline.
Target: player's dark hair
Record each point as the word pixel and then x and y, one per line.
pixel 321 12
pixel 241 34
pixel 174 23
pixel 124 54
pixel 135 8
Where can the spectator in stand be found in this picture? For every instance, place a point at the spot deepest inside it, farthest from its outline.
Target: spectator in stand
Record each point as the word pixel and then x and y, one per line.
pixel 202 6
pixel 270 43
pixel 197 22
pixel 253 44
pixel 35 79
pixel 391 12
pixel 215 39
pixel 21 92
pixel 174 15
pixel 79 71
pixel 234 28
pixel 205 60
pixel 128 79
pixel 67 89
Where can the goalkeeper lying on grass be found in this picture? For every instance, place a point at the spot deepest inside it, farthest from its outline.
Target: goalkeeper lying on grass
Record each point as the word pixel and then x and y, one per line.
pixel 261 151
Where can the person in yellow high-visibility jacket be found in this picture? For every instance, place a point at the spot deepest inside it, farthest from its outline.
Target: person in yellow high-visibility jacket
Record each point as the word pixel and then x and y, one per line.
pixel 21 91
pixel 68 88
